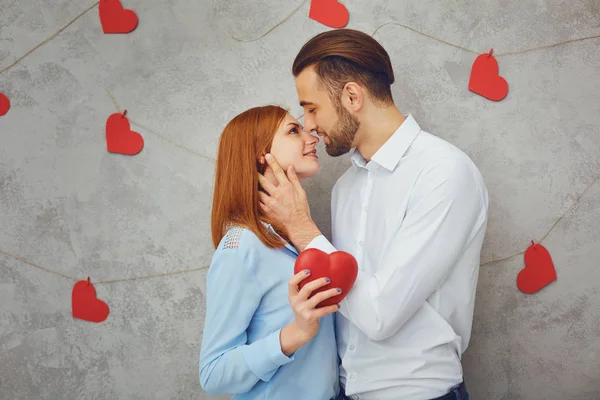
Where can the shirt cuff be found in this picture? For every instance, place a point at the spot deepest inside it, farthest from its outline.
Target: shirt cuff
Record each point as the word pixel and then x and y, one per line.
pixel 264 356
pixel 321 243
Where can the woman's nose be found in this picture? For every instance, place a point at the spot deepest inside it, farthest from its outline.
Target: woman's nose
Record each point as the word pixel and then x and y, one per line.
pixel 311 138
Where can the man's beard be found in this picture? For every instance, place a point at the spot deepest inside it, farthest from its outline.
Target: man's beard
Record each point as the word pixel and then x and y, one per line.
pixel 342 134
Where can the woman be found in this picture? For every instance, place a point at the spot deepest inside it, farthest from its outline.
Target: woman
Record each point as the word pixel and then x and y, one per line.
pixel 263 339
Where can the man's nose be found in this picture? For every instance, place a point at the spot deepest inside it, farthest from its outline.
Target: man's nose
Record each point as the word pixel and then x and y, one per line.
pixel 309 123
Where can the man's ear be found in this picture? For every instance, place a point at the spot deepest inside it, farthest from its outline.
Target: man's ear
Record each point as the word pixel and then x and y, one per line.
pixel 353 96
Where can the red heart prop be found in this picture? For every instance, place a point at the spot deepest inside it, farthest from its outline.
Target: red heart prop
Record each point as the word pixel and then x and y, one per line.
pixel 539 270
pixel 120 138
pixel 4 104
pixel 339 266
pixel 329 12
pixel 485 80
pixel 85 304
pixel 115 19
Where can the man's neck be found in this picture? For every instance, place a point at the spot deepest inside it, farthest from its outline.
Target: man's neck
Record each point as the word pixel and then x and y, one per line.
pixel 376 128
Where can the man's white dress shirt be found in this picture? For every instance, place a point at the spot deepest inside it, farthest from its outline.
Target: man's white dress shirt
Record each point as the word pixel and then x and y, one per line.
pixel 414 217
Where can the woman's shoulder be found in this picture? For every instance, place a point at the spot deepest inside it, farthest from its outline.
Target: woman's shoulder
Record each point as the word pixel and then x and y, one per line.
pixel 240 240
pixel 235 253
pixel 242 245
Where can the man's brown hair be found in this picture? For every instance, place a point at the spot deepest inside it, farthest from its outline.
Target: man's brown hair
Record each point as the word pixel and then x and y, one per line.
pixel 346 55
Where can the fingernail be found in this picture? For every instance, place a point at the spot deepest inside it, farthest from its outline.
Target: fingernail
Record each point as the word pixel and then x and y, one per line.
pixel 307 271
pixel 327 280
pixel 339 290
pixel 268 156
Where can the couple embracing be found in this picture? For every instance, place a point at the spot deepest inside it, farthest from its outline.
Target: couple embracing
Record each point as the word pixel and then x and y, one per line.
pixel 411 208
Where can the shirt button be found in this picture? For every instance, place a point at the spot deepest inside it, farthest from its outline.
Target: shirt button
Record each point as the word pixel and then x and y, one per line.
pixel 361 242
pixel 351 347
pixel 366 208
pixel 352 376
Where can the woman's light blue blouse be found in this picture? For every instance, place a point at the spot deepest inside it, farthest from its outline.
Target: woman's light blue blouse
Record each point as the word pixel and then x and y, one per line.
pixel 246 308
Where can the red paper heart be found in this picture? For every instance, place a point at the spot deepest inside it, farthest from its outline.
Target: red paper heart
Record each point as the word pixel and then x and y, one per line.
pixel 86 305
pixel 120 138
pixel 539 270
pixel 115 19
pixel 339 266
pixel 329 12
pixel 485 80
pixel 4 104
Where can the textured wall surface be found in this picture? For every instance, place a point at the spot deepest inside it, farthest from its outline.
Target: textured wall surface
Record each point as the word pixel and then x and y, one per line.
pixel 69 205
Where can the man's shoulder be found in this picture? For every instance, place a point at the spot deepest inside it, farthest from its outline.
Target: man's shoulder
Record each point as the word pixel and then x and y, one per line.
pixel 437 153
pixel 435 146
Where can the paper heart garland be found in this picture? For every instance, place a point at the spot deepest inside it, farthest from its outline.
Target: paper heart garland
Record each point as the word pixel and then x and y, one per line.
pixel 115 19
pixel 339 266
pixel 85 305
pixel 485 80
pixel 329 12
pixel 4 104
pixel 539 270
pixel 119 136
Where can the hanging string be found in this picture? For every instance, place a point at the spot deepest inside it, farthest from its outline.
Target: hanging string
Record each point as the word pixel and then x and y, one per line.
pixel 49 38
pixel 163 137
pixel 575 202
pixel 273 28
pixel 75 279
pixel 496 54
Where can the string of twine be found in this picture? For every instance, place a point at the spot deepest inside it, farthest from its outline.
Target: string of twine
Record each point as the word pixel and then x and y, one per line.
pixel 424 34
pixel 478 52
pixel 165 138
pixel 75 279
pixel 288 17
pixel 273 28
pixel 575 202
pixel 49 38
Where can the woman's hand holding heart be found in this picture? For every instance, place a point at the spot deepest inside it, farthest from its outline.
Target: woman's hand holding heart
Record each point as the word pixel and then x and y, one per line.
pixel 306 322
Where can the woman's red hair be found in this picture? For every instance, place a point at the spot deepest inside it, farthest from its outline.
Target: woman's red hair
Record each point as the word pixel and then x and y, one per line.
pixel 244 140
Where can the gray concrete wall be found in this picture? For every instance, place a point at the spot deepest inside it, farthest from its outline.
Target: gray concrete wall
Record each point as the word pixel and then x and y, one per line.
pixel 67 204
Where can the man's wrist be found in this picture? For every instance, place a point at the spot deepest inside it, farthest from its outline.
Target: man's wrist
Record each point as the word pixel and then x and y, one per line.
pixel 302 232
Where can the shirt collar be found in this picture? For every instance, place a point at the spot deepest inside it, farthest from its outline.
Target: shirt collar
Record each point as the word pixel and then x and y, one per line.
pixel 389 155
pixel 286 244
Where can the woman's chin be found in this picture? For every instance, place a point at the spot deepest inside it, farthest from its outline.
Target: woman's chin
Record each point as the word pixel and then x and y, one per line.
pixel 308 172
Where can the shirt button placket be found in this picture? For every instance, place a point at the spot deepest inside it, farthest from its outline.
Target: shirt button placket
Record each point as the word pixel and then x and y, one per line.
pixel 363 216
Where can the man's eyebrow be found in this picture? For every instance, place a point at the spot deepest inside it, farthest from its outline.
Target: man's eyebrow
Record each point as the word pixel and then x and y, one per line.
pixel 306 103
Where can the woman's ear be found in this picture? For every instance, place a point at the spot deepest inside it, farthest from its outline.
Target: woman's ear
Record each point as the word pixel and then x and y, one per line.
pixel 261 159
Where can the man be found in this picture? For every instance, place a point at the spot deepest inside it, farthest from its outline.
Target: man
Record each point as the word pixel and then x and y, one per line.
pixel 412 209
